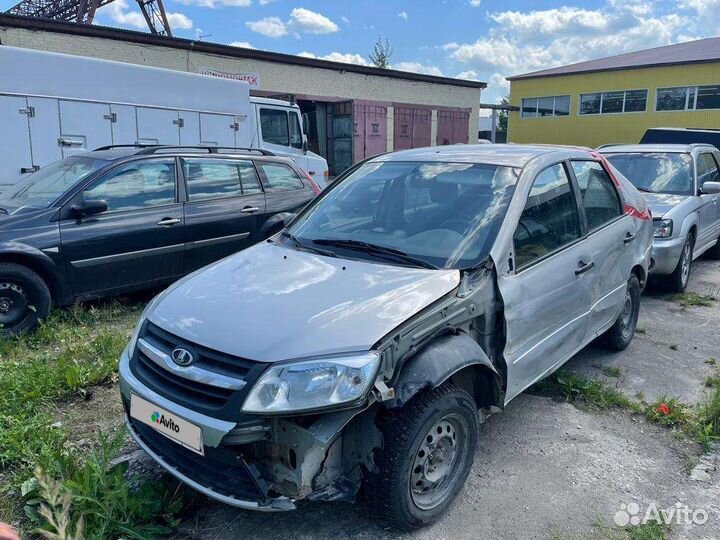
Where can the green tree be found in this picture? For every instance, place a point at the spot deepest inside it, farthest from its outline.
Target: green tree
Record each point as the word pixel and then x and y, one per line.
pixel 381 53
pixel 502 118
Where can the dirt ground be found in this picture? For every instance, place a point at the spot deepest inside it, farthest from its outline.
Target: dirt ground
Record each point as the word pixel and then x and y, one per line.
pixel 546 469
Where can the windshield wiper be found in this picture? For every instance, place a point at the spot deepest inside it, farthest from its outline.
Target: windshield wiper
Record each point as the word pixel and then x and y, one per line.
pixel 645 190
pixel 301 245
pixel 374 249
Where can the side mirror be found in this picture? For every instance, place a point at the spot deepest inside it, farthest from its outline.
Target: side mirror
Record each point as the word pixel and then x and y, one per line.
pixel 90 207
pixel 710 188
pixel 305 145
pixel 276 224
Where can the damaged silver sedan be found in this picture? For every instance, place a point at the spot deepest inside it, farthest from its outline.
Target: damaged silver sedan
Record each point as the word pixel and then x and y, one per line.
pixel 352 355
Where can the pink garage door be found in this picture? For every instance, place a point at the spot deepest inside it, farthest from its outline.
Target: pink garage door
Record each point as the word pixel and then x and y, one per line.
pixel 370 130
pixel 412 127
pixel 452 126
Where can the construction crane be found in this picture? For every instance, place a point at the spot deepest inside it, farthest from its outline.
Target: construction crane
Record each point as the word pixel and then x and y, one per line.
pixel 83 12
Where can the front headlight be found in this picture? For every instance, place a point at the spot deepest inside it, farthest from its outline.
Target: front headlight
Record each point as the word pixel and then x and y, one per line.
pixel 313 384
pixel 663 228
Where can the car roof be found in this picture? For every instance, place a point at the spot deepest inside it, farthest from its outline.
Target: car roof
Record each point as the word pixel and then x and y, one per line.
pixel 509 155
pixel 641 148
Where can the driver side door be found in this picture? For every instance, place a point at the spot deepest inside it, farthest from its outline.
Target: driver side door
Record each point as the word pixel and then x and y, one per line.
pixel 137 242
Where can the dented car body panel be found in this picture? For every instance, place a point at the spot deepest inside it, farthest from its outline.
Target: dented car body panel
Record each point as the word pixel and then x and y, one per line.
pixel 492 328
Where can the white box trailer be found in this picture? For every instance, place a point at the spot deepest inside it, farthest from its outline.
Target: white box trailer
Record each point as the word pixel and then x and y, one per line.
pixel 55 105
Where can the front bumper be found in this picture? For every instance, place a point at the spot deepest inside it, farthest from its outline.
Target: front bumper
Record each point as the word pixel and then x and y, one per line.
pixel 666 254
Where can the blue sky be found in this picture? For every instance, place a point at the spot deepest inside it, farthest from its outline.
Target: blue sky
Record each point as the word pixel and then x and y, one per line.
pixel 477 39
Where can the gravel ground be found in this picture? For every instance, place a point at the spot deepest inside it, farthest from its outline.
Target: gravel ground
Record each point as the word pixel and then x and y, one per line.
pixel 545 469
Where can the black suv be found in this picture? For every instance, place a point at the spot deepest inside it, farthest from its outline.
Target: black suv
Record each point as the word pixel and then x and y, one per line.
pixel 124 218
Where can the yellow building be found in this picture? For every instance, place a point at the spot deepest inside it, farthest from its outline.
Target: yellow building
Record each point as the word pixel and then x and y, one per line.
pixel 615 99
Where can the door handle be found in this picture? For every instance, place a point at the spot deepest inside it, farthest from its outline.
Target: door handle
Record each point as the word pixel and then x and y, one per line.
pixel 250 210
pixel 169 222
pixel 629 237
pixel 583 267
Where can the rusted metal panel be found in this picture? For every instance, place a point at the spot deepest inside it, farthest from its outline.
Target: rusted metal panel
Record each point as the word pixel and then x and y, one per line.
pixel 412 127
pixel 370 130
pixel 452 126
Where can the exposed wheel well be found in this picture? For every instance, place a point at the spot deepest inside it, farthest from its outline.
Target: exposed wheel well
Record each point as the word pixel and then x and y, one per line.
pixel 640 273
pixel 480 382
pixel 33 264
pixel 693 232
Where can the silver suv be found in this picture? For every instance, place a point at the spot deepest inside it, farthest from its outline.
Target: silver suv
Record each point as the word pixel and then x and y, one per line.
pixel 354 353
pixel 682 184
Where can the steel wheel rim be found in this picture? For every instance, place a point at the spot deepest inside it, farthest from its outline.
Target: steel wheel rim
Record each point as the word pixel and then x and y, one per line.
pixel 686 258
pixel 13 303
pixel 626 316
pixel 437 460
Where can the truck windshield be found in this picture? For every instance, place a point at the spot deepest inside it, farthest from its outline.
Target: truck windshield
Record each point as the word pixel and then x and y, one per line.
pixel 426 214
pixel 656 172
pixel 44 187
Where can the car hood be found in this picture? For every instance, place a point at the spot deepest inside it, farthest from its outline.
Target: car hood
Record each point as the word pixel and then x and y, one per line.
pixel 661 203
pixel 270 303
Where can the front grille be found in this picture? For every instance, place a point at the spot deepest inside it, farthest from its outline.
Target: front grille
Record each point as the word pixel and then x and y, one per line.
pixel 205 398
pixel 220 470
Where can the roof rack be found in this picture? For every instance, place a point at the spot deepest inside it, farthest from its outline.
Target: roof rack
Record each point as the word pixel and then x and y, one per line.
pixel 156 148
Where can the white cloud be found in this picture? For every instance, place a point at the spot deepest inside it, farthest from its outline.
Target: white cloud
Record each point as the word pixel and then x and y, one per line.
pixel 212 4
pixel 311 22
pixel 403 15
pixel 417 67
pixel 475 3
pixel 469 75
pixel 347 58
pixel 241 44
pixel 265 2
pixel 272 27
pixel 120 13
pixel 345 20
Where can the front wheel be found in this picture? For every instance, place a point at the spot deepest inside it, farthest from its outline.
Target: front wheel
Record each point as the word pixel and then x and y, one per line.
pixel 678 280
pixel 24 299
pixel 428 450
pixel 620 334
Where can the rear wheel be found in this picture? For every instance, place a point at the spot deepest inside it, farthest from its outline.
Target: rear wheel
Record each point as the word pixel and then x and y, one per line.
pixel 620 334
pixel 679 279
pixel 24 299
pixel 428 450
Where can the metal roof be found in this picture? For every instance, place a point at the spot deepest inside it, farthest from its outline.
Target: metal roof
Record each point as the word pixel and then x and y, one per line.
pixel 144 38
pixel 509 155
pixel 690 52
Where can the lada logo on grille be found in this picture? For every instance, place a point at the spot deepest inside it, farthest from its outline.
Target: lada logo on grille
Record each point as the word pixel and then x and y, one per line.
pixel 182 357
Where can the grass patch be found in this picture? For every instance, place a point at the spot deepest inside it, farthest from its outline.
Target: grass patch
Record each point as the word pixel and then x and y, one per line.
pixel 574 388
pixel 711 361
pixel 612 372
pixel 692 299
pixel 71 492
pixel 648 531
pixel 712 381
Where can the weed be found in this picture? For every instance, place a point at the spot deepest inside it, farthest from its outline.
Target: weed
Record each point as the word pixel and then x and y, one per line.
pixel 572 387
pixel 711 361
pixel 712 381
pixel 612 371
pixel 691 299
pixel 668 412
pixel 652 530
pixel 708 420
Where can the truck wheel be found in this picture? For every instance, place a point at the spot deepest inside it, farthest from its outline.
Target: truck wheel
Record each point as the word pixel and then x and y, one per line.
pixel 24 299
pixel 428 450
pixel 620 334
pixel 678 280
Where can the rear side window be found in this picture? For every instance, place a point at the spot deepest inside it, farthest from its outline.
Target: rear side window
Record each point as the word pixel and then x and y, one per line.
pixel 280 177
pixel 599 196
pixel 707 170
pixel 219 178
pixel 550 219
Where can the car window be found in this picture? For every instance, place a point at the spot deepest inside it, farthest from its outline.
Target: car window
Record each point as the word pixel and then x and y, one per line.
pixel 296 139
pixel 707 170
pixel 655 172
pixel 274 125
pixel 599 196
pixel 550 219
pixel 219 178
pixel 136 185
pixel 280 177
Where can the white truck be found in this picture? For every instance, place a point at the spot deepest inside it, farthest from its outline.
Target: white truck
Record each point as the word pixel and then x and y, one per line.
pixel 55 105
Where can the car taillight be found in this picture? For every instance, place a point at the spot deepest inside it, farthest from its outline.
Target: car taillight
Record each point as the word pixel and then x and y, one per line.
pixel 313 184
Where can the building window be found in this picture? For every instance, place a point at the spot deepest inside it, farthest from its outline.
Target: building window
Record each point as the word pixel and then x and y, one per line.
pixel 621 101
pixel 688 98
pixel 545 106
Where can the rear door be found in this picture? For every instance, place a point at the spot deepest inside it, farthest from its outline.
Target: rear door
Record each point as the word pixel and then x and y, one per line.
pixel 548 297
pixel 138 241
pixel 610 241
pixel 285 191
pixel 218 130
pixel 224 209
pixel 14 139
pixel 84 126
pixel 158 126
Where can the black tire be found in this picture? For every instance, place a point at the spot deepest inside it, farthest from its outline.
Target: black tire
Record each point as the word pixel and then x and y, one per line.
pixel 396 493
pixel 24 299
pixel 620 334
pixel 679 279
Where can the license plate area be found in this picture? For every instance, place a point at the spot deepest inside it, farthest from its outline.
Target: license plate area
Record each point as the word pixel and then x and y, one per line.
pixel 170 425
